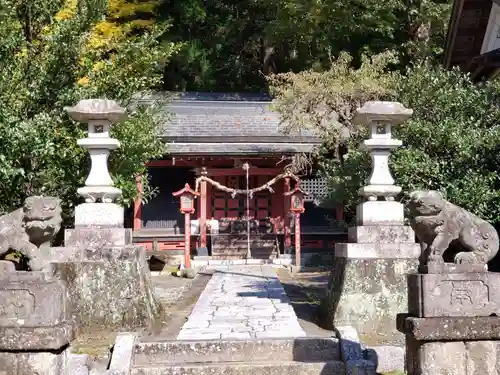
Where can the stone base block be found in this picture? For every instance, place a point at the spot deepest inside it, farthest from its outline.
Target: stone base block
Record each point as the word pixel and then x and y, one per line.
pixel 42 363
pixel 451 345
pixel 381 234
pixel 454 294
pixel 380 213
pixel 57 362
pixel 377 250
pixel 99 215
pixel 97 237
pixel 36 338
pixel 367 294
pixel 443 267
pixel 449 328
pixel 109 287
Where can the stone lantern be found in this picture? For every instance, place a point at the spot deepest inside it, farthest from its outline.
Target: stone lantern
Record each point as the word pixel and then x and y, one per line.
pixel 98 192
pixel 187 196
pixel 367 285
pixel 380 207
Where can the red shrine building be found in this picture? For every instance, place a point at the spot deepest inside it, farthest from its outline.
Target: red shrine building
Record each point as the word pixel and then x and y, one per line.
pixel 219 144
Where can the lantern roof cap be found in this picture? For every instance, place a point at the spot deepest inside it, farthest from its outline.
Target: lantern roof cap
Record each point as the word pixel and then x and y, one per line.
pixel 393 112
pixel 185 190
pixel 97 109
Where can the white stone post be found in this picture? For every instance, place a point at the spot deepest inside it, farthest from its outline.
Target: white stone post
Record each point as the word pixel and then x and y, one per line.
pixel 380 117
pixel 99 192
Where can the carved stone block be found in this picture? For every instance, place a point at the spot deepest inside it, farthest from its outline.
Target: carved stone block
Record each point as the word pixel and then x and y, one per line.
pixel 35 303
pixel 33 314
pixel 454 294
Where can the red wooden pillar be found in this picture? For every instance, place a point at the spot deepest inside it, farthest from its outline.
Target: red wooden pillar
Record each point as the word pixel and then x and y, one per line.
pixel 138 203
pixel 286 216
pixel 297 239
pixel 203 210
pixel 187 240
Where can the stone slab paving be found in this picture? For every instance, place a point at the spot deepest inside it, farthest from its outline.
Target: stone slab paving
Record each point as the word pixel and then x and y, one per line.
pixel 242 302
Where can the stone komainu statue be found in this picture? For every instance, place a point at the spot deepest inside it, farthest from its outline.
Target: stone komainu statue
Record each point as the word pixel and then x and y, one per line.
pixel 439 224
pixel 29 230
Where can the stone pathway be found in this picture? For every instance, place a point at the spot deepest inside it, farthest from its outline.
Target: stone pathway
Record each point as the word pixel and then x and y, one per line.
pixel 242 303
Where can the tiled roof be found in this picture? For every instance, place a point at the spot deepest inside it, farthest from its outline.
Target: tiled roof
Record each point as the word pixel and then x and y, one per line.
pixel 196 115
pixel 224 123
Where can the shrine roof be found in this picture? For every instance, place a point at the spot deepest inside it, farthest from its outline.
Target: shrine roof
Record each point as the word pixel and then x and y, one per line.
pixel 211 115
pixel 224 123
pixel 466 32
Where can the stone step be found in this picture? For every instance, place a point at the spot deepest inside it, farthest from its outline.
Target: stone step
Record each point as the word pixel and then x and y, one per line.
pixel 246 368
pixel 308 349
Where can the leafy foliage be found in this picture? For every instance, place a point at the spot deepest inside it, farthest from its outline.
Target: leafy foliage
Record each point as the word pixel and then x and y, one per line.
pixel 224 44
pixel 317 30
pixel 232 46
pixel 453 139
pixel 451 143
pixel 48 60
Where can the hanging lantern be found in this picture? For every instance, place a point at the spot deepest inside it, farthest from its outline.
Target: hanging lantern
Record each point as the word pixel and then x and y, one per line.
pixel 187 196
pixel 296 199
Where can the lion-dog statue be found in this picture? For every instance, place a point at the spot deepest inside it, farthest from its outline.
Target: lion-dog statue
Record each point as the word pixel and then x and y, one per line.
pixel 438 224
pixel 30 229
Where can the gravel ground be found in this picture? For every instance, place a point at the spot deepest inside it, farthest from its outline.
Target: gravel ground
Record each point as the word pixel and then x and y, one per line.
pixel 305 290
pixel 177 295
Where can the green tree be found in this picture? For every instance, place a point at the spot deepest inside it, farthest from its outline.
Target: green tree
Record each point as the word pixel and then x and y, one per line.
pixel 49 60
pixel 451 143
pixel 232 46
pixel 314 31
pixel 224 44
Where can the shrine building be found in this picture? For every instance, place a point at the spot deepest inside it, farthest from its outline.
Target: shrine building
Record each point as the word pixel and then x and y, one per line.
pixel 473 40
pixel 222 137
